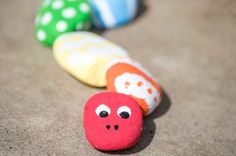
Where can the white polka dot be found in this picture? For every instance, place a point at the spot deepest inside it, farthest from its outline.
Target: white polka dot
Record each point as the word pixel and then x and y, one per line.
pixel 84 7
pixel 61 26
pixel 47 17
pixel 57 4
pixel 41 35
pixel 69 12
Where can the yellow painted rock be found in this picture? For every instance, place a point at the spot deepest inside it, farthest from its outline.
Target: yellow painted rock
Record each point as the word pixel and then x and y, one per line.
pixel 86 55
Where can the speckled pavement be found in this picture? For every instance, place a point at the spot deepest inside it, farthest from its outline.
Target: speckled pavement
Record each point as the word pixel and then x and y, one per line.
pixel 188 45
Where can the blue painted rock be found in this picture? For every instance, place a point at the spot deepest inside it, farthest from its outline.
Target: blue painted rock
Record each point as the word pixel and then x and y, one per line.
pixel 113 13
pixel 56 17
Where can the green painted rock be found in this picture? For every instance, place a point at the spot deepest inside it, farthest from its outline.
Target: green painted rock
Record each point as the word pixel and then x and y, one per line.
pixel 56 17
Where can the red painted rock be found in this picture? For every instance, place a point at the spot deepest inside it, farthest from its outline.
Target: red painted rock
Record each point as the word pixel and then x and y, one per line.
pixel 112 121
pixel 131 79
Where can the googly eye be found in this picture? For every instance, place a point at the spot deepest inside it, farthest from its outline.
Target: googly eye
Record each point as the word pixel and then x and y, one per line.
pixel 103 111
pixel 124 112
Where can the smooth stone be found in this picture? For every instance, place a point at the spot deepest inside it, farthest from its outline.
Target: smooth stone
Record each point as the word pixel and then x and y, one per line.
pixel 86 55
pixel 113 13
pixel 130 78
pixel 56 17
pixel 112 121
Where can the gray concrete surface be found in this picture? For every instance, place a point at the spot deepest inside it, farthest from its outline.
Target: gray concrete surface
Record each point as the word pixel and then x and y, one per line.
pixel 188 45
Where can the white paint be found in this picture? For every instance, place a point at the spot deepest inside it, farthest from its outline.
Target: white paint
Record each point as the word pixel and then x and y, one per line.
pixel 58 4
pixel 76 59
pixel 84 7
pixel 106 13
pixel 132 63
pixel 137 91
pixel 123 109
pixel 41 35
pixel 101 108
pixel 69 13
pixel 74 45
pixel 61 26
pixel 132 7
pixel 47 17
pixel 91 45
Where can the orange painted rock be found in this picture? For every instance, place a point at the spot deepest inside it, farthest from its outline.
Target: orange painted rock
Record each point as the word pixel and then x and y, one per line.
pixel 131 79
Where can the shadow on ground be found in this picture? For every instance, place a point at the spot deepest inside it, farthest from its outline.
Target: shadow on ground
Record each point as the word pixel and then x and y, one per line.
pixel 149 127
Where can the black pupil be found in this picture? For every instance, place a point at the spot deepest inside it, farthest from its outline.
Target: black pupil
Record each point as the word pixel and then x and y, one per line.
pixel 124 115
pixel 103 114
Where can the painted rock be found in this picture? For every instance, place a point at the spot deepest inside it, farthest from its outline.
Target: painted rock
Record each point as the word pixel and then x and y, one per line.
pixel 131 79
pixel 113 13
pixel 56 17
pixel 86 55
pixel 112 121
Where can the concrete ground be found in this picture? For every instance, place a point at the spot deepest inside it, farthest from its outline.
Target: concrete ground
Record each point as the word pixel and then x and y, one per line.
pixel 188 45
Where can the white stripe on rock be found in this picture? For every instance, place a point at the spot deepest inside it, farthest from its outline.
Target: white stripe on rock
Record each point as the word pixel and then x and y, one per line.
pixel 106 13
pixel 132 7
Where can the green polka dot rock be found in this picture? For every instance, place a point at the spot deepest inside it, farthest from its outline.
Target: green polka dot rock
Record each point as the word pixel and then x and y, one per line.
pixel 56 17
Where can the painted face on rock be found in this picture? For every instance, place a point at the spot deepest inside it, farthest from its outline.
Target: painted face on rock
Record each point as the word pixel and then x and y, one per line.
pixel 112 121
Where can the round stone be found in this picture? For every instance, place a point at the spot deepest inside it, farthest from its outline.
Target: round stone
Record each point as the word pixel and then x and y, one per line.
pixel 47 17
pixel 69 13
pixel 102 116
pixel 130 78
pixel 57 4
pixel 56 17
pixel 41 35
pixel 61 26
pixel 86 56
